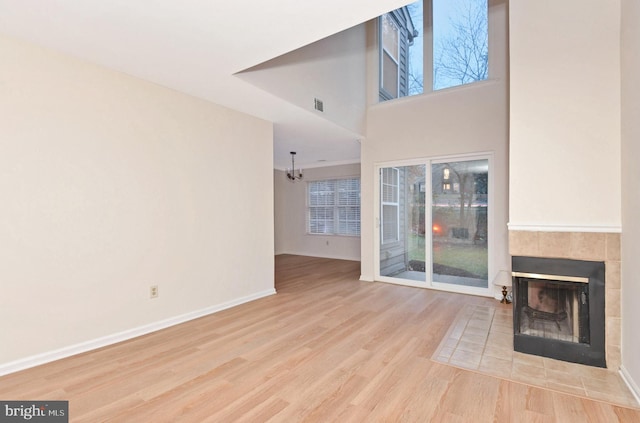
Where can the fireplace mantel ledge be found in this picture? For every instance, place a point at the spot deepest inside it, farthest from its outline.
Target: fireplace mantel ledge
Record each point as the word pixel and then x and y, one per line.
pixel 563 228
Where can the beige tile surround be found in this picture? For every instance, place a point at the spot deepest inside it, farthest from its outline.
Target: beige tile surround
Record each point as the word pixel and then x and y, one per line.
pixel 582 246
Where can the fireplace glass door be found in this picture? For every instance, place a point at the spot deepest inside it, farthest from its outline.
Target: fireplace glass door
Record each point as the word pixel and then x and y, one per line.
pixel 553 309
pixel 558 309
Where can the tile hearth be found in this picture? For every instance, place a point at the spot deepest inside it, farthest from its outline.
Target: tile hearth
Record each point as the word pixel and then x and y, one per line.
pixel 481 339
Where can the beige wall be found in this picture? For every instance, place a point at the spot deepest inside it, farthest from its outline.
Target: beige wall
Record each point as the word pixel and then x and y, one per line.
pixel 290 217
pixel 467 119
pixel 109 185
pixel 631 190
pixel 565 115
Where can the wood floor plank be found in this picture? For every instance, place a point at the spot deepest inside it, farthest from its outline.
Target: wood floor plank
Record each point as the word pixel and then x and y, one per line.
pixel 328 347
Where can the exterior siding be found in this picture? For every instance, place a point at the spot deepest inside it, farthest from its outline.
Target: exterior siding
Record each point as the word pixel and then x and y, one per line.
pixel 401 16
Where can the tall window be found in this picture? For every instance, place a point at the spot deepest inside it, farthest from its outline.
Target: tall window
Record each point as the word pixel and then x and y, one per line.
pixel 334 207
pixel 390 197
pixel 457 53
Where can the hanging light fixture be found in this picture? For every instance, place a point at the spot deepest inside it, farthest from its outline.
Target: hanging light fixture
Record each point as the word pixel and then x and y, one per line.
pixel 291 173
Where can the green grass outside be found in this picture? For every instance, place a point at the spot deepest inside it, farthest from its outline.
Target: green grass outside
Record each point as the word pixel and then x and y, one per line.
pixel 468 257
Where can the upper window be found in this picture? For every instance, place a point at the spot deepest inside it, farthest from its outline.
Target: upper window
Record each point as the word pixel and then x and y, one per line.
pixel 460 42
pixel 459 47
pixel 334 207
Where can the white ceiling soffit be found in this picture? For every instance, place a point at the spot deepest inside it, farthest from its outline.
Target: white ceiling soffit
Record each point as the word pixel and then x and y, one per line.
pixel 196 46
pixel 332 72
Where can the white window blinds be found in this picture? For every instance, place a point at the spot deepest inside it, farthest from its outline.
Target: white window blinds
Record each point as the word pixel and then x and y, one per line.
pixel 334 207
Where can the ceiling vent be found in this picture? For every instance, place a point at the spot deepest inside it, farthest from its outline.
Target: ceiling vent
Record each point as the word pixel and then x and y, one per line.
pixel 318 105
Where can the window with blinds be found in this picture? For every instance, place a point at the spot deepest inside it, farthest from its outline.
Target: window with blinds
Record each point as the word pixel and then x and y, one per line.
pixel 390 218
pixel 334 207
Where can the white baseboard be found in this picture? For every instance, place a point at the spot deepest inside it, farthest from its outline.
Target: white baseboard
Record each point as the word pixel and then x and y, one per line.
pixel 366 278
pixel 633 386
pixel 47 357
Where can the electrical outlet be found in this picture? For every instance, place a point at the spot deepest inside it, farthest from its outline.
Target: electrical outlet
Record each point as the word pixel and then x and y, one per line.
pixel 153 291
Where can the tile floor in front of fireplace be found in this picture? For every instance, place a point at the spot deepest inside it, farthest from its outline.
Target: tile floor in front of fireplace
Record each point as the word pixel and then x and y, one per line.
pixel 481 339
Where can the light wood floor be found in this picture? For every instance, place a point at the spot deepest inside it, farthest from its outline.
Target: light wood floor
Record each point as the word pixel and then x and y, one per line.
pixel 326 348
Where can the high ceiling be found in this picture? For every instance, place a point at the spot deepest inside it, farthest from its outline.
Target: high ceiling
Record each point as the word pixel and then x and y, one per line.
pixel 196 47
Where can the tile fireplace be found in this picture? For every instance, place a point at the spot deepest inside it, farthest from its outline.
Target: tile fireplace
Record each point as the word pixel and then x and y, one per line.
pixel 587 246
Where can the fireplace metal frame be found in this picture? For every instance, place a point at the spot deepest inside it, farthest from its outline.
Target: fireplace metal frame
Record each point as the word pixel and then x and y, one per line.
pixel 563 271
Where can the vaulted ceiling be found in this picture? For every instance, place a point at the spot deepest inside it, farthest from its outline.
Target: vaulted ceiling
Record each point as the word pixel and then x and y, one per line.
pixel 197 46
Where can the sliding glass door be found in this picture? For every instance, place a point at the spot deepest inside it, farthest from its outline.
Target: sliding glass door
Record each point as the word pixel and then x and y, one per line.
pixel 459 217
pixel 434 223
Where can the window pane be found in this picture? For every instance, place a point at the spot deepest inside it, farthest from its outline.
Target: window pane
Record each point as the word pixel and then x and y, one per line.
pixel 321 193
pixel 348 221
pixel 390 57
pixel 401 52
pixel 389 185
pixel 460 42
pixel 389 75
pixel 390 37
pixel 460 224
pixel 416 50
pixel 348 192
pixel 402 248
pixel 321 220
pixel 389 223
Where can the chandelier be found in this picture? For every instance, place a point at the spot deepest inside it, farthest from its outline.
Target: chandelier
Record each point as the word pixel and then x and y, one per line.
pixel 291 173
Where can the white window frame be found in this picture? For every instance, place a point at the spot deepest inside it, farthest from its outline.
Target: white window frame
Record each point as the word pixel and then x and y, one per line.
pixel 349 204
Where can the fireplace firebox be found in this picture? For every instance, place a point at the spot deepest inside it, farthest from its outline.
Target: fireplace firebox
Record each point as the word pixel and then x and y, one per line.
pixel 558 309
